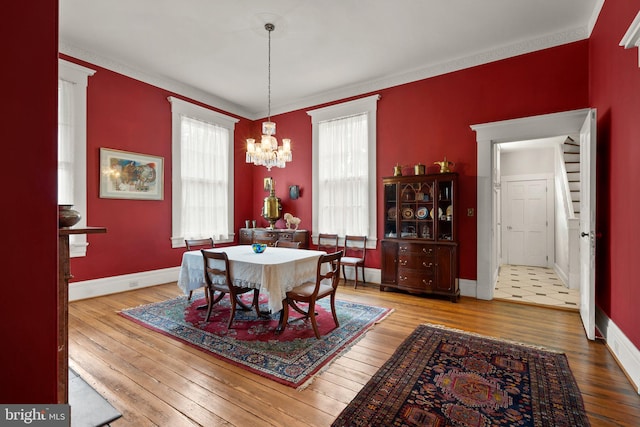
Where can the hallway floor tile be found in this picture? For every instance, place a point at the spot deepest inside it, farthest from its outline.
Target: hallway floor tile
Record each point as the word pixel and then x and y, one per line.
pixel 535 285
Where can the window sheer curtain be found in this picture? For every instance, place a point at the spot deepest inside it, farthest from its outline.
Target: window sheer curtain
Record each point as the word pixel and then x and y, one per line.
pixel 343 176
pixel 65 142
pixel 204 177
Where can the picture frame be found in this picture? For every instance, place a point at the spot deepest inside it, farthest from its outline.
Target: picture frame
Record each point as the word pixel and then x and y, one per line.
pixel 127 175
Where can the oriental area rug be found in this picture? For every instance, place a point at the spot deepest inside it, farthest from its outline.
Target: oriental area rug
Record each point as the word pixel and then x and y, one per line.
pixel 292 358
pixel 444 377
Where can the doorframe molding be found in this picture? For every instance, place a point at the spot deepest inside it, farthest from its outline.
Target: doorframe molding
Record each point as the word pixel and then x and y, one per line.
pixel 487 135
pixel 550 214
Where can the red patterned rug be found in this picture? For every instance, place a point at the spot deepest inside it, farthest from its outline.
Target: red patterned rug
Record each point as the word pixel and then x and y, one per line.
pixel 444 377
pixel 291 358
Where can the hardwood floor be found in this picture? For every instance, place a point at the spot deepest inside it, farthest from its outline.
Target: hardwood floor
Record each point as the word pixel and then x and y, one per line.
pixel 155 380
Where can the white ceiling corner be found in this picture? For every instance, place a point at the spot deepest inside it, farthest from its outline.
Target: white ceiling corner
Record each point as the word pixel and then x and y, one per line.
pixel 216 51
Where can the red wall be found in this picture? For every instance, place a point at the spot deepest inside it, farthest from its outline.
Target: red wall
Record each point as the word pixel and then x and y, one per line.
pixel 417 122
pixel 126 114
pixel 296 126
pixel 28 319
pixel 422 121
pixel 427 120
pixel 615 92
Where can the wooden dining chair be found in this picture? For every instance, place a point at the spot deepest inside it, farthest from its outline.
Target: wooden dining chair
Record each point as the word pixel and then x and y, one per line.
pixel 218 279
pixel 355 249
pixel 195 244
pixel 328 243
pixel 287 244
pixel 325 285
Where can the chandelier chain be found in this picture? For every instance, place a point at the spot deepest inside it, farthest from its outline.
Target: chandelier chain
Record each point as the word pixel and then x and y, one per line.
pixel 267 152
pixel 269 28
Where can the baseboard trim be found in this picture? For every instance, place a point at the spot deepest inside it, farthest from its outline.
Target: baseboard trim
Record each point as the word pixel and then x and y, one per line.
pixel 111 285
pixel 468 288
pixel 625 352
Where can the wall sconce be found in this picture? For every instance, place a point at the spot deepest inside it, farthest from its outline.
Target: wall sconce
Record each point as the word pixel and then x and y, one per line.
pixel 294 192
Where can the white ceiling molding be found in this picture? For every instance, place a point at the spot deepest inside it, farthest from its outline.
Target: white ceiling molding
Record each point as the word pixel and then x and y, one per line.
pixel 155 80
pixel 631 38
pixel 595 15
pixel 504 52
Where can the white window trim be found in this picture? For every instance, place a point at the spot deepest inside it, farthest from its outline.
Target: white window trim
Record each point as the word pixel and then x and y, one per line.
pixel 78 75
pixel 184 108
pixel 368 105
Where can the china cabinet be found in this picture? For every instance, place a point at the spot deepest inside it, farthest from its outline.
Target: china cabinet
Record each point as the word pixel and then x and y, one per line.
pixel 420 248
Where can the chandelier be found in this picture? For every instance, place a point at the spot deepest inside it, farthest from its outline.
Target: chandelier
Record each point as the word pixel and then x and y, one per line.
pixel 267 153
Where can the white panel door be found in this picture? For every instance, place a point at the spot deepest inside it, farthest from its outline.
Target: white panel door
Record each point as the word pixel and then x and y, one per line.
pixel 588 224
pixel 526 223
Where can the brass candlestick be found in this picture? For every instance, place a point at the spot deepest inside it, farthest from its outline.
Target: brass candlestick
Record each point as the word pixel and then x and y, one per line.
pixel 444 165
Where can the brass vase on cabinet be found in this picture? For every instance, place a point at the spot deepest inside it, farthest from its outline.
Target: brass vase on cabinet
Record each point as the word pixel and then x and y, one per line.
pixel 272 208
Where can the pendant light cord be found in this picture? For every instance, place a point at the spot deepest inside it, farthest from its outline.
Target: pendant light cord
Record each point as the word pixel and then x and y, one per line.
pixel 269 28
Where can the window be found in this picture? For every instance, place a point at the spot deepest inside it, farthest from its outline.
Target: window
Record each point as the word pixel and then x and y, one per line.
pixel 344 169
pixel 72 145
pixel 202 170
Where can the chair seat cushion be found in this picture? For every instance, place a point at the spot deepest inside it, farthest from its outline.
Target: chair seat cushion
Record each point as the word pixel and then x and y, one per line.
pixel 306 289
pixel 351 260
pixel 221 287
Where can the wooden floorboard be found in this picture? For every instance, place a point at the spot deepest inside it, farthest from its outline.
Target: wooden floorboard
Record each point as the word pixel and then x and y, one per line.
pixel 155 380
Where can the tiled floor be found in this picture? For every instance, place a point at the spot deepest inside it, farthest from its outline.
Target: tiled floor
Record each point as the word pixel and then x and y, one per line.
pixel 535 285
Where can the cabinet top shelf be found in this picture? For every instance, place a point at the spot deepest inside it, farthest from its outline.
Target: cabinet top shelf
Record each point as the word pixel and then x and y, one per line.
pixel 412 178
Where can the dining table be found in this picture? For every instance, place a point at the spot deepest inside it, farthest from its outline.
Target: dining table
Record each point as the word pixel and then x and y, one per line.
pixel 274 272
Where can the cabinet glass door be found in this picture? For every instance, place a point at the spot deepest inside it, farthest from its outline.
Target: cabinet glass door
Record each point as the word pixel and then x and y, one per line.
pixel 445 210
pixel 416 206
pixel 391 210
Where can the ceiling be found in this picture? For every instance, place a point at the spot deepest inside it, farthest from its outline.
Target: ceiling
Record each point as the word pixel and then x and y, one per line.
pixel 215 51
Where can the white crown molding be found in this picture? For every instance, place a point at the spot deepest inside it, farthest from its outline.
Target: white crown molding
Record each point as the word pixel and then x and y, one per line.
pixel 631 38
pixel 432 70
pixel 595 15
pixel 153 79
pixel 528 46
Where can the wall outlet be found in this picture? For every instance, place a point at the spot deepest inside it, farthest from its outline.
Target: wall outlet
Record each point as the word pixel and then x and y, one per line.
pixel 469 211
pixel 133 284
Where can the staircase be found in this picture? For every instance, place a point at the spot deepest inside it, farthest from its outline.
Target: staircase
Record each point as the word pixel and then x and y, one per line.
pixel 571 156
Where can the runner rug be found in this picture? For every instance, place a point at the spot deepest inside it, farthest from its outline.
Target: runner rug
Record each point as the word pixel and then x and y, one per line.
pixel 292 358
pixel 444 377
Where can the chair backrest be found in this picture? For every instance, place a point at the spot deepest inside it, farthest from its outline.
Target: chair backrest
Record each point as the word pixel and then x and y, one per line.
pixel 328 243
pixel 193 244
pixel 215 273
pixel 329 269
pixel 355 246
pixel 287 244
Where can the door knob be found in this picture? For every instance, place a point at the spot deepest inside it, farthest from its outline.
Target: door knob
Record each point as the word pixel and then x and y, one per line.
pixel 583 234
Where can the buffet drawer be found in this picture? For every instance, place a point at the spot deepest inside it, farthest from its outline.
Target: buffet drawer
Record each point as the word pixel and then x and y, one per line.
pixel 419 280
pixel 416 249
pixel 416 261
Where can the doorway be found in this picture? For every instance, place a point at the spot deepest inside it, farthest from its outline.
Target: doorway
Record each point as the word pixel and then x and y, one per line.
pixel 580 122
pixel 533 265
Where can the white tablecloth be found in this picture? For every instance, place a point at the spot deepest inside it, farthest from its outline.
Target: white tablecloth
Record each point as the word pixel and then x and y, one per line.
pixel 275 271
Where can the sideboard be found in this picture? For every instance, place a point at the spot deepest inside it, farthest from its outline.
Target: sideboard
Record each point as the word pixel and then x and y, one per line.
pixel 270 236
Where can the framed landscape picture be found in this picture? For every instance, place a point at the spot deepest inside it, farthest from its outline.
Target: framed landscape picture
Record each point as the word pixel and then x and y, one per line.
pixel 126 175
